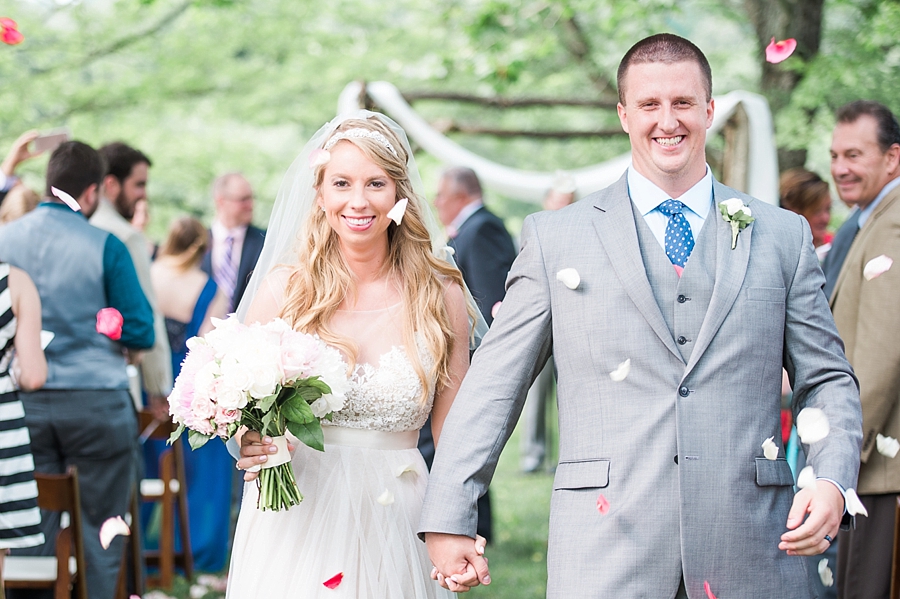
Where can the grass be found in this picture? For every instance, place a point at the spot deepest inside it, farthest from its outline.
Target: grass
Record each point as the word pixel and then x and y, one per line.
pixel 518 555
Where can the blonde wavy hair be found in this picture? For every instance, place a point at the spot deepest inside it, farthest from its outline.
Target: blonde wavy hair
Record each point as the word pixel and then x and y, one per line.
pixel 322 280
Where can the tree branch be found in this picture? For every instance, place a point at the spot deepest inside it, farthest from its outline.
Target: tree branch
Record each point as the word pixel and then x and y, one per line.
pixel 449 126
pixel 577 44
pixel 501 102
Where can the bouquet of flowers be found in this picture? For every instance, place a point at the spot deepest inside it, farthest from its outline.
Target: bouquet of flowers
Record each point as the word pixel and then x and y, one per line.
pixel 269 378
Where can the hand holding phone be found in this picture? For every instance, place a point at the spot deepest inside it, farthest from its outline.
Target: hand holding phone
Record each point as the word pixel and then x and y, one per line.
pixel 50 140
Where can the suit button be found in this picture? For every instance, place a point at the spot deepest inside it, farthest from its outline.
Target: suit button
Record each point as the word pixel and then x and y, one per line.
pixel 682 340
pixel 681 299
pixel 684 392
pixel 676 459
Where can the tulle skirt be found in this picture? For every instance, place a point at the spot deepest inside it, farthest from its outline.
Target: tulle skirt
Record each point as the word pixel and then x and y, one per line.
pixel 362 500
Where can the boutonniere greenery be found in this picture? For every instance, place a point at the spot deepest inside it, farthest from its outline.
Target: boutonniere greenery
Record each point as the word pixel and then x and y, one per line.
pixel 736 213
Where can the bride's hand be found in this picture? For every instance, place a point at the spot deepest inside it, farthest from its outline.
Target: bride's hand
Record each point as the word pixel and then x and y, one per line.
pixel 255 452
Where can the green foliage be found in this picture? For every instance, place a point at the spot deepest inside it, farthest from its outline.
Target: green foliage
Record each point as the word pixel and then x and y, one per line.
pixel 295 409
pixel 198 440
pixel 309 433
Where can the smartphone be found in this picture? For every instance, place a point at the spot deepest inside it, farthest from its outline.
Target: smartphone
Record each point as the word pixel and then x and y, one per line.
pixel 50 140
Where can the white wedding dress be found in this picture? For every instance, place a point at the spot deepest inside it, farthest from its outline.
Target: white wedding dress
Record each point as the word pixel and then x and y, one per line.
pixel 362 495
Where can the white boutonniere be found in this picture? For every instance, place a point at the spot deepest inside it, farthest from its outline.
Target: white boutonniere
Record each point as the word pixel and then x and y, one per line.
pixel 735 212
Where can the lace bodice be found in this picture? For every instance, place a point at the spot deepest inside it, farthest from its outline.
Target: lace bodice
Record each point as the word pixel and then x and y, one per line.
pixel 387 397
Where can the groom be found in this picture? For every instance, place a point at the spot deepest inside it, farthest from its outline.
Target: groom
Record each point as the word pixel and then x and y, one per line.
pixel 662 485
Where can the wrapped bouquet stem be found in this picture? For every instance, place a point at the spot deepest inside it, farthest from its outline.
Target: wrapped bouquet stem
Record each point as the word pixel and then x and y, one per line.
pixel 267 378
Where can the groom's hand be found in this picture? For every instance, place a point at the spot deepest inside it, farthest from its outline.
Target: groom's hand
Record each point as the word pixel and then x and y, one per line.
pixel 825 505
pixel 459 562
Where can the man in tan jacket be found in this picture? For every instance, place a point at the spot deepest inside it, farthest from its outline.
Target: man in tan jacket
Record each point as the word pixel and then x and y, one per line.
pixel 865 164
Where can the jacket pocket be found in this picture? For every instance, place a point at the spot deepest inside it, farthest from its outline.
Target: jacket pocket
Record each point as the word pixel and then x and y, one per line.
pixel 766 294
pixel 583 474
pixel 773 473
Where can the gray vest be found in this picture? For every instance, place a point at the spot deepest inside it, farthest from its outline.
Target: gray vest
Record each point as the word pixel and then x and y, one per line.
pixel 63 254
pixel 682 301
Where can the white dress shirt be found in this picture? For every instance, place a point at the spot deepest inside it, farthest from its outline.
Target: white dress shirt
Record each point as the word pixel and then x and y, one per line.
pixel 219 234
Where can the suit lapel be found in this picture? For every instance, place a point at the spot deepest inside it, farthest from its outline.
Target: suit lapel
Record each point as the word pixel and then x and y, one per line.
pixel 731 267
pixel 614 223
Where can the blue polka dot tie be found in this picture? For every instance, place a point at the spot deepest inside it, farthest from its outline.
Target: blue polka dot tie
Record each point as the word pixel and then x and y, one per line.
pixel 679 238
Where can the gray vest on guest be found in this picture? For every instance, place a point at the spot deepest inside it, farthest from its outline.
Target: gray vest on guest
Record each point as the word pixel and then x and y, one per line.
pixel 683 301
pixel 63 254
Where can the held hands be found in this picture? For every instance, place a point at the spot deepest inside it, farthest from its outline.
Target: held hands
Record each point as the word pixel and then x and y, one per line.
pixel 459 562
pixel 824 503
pixel 254 452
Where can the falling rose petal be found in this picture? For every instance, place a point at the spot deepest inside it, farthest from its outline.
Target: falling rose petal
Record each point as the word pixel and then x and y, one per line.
pixel 401 470
pixel 602 505
pixel 319 157
pixel 569 277
pixel 678 270
pixel 709 593
pixel 334 581
pixel 779 51
pixel 825 573
pixel 812 425
pixel 386 498
pixel 887 446
pixel 450 251
pixel 494 309
pixel 770 450
pixel 109 323
pixel 854 505
pixel 111 528
pixel 621 372
pixel 806 478
pixel 877 267
pixel 396 213
pixel 69 200
pixel 9 32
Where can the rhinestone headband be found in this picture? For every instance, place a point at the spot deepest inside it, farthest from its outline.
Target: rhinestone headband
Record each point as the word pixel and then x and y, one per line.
pixel 360 133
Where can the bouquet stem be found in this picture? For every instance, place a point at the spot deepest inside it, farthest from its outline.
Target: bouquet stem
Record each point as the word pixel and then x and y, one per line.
pixel 278 488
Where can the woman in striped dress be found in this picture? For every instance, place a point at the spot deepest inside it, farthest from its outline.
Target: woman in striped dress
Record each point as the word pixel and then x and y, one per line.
pixel 20 329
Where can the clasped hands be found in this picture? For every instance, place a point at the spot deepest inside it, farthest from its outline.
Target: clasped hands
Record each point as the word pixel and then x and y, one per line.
pixel 459 562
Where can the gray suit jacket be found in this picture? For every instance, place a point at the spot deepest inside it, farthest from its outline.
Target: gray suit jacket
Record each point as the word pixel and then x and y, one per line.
pixel 675 448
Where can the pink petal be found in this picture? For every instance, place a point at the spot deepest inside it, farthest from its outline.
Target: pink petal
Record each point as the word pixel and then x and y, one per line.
pixel 877 267
pixel 319 157
pixel 111 528
pixel 779 51
pixel 109 323
pixel 334 581
pixel 709 593
pixel 494 309
pixel 678 269
pixel 7 23
pixel 602 505
pixel 11 37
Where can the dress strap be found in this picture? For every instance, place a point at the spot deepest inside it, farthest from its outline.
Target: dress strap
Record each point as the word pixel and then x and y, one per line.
pixel 201 307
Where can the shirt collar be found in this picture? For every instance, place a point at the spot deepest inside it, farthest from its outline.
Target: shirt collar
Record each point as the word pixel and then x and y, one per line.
pixel 220 231
pixel 866 212
pixel 58 205
pixel 647 196
pixel 464 214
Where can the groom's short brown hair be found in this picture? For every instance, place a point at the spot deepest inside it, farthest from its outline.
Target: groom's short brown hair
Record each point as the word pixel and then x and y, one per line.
pixel 667 48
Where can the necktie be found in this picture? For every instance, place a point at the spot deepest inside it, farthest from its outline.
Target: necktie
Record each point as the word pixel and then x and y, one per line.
pixel 679 238
pixel 226 273
pixel 840 246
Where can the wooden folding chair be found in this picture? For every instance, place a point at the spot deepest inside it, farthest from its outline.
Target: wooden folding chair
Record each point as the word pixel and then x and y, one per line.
pixel 65 571
pixel 169 490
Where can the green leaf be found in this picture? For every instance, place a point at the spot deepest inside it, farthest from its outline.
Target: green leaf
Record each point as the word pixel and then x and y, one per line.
pixel 297 410
pixel 266 421
pixel 175 434
pixel 309 433
pixel 198 440
pixel 266 403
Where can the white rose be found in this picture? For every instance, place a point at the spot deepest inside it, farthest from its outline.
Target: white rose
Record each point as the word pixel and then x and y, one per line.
pixel 238 375
pixel 320 407
pixel 733 205
pixel 230 397
pixel 205 379
pixel 266 377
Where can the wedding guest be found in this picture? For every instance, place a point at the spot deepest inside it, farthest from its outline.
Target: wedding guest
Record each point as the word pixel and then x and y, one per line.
pixel 20 332
pixel 533 440
pixel 188 299
pixel 865 164
pixel 123 186
pixel 17 154
pixel 140 221
pixel 236 243
pixel 19 201
pixel 84 415
pixel 669 327
pixel 805 193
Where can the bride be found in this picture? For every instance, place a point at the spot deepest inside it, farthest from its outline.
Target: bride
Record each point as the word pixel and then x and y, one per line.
pixel 378 290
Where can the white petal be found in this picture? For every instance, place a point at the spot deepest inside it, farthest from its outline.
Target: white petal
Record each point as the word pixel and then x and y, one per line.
pixel 450 251
pixel 770 450
pixel 69 200
pixel 396 213
pixel 732 205
pixel 401 470
pixel 806 478
pixel 319 157
pixel 887 446
pixel 812 425
pixel 111 528
pixel 877 267
pixel 386 498
pixel 825 573
pixel 621 372
pixel 854 505
pixel 569 277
